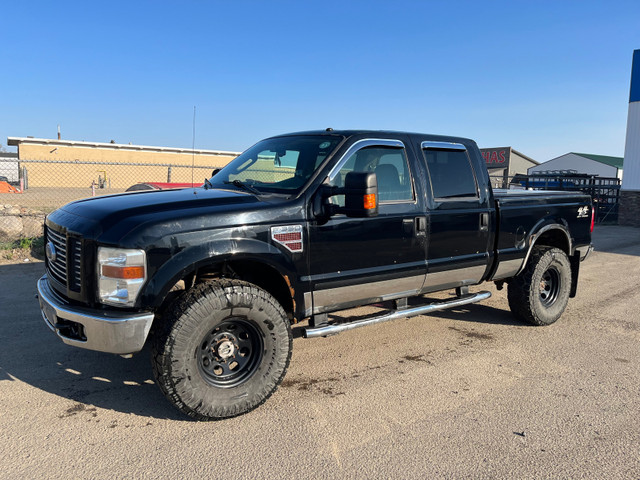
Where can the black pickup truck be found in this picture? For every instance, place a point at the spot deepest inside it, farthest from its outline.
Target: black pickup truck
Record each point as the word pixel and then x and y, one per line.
pixel 297 227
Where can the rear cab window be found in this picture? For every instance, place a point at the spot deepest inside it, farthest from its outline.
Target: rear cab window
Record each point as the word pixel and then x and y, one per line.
pixel 450 171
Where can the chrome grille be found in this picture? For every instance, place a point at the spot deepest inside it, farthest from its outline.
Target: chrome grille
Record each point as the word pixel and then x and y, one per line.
pixel 58 268
pixel 66 269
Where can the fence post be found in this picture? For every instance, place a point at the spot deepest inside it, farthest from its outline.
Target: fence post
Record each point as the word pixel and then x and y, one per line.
pixel 168 174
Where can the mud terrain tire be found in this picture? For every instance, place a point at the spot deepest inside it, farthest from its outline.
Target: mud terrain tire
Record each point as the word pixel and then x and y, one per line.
pixel 539 294
pixel 222 350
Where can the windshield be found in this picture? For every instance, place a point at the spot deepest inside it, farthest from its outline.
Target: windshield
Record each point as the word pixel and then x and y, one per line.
pixel 277 165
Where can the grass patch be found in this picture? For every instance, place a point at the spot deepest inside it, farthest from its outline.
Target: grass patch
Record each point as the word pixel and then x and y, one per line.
pixel 22 247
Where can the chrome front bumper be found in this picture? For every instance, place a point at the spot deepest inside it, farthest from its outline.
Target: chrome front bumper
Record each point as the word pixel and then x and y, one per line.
pixel 104 331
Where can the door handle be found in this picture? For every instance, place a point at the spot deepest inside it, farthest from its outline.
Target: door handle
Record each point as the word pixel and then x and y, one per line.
pixel 484 222
pixel 421 225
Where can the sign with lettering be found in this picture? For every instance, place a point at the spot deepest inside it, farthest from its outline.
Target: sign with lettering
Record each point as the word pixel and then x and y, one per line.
pixel 496 157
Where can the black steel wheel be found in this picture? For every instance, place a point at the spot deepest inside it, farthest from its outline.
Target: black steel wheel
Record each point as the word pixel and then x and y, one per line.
pixel 230 353
pixel 222 349
pixel 549 286
pixel 540 293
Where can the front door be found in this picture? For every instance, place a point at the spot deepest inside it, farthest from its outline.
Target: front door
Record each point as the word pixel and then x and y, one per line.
pixel 355 261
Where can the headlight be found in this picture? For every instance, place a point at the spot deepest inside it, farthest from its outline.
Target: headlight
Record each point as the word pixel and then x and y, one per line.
pixel 121 274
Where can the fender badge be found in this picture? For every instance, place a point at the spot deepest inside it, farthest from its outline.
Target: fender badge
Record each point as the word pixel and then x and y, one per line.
pixel 289 236
pixel 583 212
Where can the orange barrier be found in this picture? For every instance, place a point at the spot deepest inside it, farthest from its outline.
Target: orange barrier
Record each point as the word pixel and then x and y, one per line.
pixel 6 188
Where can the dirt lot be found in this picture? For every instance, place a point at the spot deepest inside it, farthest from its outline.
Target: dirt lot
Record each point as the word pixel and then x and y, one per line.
pixel 463 393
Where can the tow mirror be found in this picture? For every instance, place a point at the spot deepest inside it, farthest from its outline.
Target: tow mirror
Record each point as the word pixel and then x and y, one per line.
pixel 360 195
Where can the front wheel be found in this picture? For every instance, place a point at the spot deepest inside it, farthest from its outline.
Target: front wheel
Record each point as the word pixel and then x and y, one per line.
pixel 540 293
pixel 223 350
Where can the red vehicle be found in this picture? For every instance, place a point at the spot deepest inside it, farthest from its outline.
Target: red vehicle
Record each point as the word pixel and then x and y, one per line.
pixel 160 186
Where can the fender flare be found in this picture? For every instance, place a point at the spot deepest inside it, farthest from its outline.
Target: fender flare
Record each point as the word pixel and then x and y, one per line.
pixel 198 256
pixel 543 226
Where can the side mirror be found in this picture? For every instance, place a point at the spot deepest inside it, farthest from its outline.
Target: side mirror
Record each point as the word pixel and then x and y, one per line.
pixel 360 195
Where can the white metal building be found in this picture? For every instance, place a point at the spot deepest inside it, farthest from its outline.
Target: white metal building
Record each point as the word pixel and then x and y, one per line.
pixel 587 163
pixel 630 192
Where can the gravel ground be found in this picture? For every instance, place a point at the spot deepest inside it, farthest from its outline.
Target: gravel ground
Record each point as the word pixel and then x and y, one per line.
pixel 462 393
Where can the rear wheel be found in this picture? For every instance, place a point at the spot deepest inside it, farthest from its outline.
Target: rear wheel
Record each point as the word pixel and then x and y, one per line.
pixel 223 350
pixel 540 293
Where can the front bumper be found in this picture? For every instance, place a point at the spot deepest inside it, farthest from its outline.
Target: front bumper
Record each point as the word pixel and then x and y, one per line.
pixel 104 331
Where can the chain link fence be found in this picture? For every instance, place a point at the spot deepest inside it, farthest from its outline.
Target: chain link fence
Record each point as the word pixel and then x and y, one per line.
pixel 49 184
pixel 29 189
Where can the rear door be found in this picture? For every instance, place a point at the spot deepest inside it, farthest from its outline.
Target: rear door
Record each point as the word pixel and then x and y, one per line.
pixel 459 218
pixel 361 260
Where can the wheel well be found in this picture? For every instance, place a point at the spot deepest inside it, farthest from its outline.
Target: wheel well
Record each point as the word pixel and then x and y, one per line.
pixel 261 275
pixel 554 238
pixel 267 278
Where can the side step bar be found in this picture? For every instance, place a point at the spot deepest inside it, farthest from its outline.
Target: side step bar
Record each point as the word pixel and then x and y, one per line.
pixel 326 330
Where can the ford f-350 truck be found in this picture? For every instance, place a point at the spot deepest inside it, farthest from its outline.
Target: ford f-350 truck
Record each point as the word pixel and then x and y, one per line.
pixel 295 228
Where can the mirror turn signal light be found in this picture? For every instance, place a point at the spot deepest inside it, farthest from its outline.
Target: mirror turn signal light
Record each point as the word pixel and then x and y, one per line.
pixel 369 201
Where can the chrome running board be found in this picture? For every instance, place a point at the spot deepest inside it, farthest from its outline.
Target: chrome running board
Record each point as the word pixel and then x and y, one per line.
pixel 323 331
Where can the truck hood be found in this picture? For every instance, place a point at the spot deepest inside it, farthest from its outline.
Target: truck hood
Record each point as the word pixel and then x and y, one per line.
pixel 111 218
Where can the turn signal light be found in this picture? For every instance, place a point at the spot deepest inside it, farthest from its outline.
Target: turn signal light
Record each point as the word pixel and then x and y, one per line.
pixel 370 201
pixel 126 273
pixel 593 217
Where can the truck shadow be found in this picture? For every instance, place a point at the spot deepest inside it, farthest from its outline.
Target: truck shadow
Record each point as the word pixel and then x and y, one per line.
pixel 91 378
pixel 31 353
pixel 479 313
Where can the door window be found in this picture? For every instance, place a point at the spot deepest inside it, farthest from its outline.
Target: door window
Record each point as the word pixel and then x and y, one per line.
pixel 451 173
pixel 391 168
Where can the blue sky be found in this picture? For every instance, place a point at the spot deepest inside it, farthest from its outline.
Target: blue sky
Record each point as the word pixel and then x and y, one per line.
pixel 543 77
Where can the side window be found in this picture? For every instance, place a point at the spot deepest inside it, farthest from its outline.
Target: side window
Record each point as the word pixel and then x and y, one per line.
pixel 391 168
pixel 451 173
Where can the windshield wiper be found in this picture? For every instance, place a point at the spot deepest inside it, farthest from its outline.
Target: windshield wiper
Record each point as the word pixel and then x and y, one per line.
pixel 244 186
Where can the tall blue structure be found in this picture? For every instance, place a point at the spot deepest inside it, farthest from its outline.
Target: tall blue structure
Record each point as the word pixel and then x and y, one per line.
pixel 630 194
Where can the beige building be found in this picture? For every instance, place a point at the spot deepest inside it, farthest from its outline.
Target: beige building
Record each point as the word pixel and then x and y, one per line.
pixel 505 162
pixel 78 164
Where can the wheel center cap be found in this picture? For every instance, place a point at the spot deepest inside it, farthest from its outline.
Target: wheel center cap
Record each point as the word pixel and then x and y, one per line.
pixel 225 349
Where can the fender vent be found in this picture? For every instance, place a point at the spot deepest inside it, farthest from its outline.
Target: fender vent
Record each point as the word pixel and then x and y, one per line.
pixel 289 236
